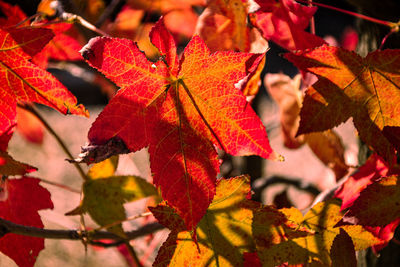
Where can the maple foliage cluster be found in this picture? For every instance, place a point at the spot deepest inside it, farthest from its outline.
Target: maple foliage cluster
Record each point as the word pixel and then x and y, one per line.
pixel 187 106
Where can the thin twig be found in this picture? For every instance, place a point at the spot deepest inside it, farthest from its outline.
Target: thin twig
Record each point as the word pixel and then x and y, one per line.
pixel 312 20
pixel 32 110
pixel 60 186
pixel 10 227
pixel 134 217
pixel 107 12
pixel 34 16
pixel 393 30
pixel 358 15
pixel 298 183
pixel 133 254
pixel 76 18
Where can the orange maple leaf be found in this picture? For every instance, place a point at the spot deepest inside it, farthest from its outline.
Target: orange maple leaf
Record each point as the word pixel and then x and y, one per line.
pixel 180 109
pixel 366 89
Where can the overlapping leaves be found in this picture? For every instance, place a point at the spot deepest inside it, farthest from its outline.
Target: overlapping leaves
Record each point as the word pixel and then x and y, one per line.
pixel 284 22
pixel 321 222
pixel 179 108
pixel 226 231
pixel 368 90
pixel 105 193
pixel 23 81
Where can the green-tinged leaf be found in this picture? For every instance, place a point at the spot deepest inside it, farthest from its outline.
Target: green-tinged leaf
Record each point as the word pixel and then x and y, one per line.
pixel 224 233
pixel 105 194
pixel 104 198
pixel 320 221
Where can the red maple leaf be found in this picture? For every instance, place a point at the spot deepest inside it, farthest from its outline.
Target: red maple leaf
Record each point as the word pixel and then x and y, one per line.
pixel 349 191
pixel 179 108
pixel 22 81
pixel 374 168
pixel 13 15
pixel 284 21
pixel 60 47
pixel 20 200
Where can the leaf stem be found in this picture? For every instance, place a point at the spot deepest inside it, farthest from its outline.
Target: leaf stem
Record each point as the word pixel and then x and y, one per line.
pixel 110 9
pixel 133 254
pixel 312 20
pixel 393 30
pixel 60 185
pixel 29 107
pixel 361 16
pixel 134 217
pixel 75 18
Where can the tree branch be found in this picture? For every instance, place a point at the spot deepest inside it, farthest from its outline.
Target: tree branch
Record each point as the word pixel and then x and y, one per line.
pixel 7 227
pixel 276 179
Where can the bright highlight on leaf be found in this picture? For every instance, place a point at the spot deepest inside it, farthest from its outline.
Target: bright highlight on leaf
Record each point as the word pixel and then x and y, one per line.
pixel 223 234
pixel 180 109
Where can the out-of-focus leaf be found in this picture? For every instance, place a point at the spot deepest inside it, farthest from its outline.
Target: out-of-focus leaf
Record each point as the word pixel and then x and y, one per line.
pixel 46 8
pixel 30 126
pixel 105 194
pixel 20 201
pixel 13 15
pixel 179 16
pixel 10 167
pixel 181 21
pixel 286 93
pixel 223 26
pixel 327 145
pixel 91 9
pixel 128 24
pixel 284 22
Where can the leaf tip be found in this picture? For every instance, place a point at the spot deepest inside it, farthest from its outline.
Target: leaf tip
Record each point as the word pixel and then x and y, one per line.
pixel 87 51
